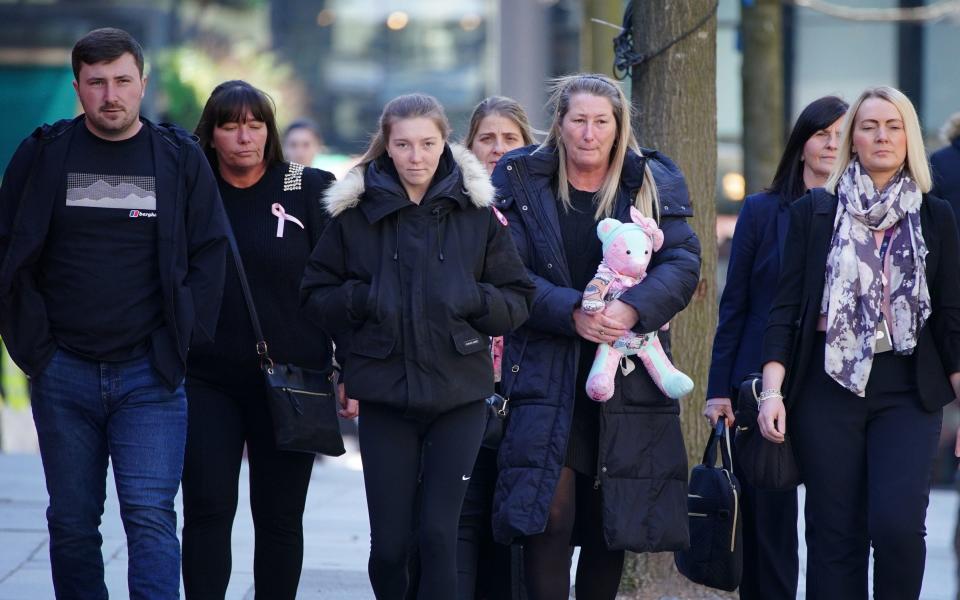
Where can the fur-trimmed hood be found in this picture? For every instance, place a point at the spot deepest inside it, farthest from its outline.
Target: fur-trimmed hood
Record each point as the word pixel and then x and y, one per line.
pixel 474 182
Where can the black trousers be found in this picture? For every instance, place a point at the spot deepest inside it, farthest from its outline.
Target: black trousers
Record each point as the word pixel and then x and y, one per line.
pixel 484 567
pixel 222 418
pixel 771 563
pixel 866 464
pixel 416 475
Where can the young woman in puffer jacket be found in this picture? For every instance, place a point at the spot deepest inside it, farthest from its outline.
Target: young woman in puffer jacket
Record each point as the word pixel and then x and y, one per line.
pixel 411 278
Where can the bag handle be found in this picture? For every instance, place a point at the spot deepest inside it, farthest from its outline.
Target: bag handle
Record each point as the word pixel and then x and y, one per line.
pixel 262 350
pixel 719 437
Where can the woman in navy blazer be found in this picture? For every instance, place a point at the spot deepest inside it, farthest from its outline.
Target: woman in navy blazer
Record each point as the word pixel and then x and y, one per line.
pixel 770 565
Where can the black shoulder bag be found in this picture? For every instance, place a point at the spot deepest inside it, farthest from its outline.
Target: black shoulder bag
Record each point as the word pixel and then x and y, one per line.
pixel 303 402
pixel 715 556
pixel 764 464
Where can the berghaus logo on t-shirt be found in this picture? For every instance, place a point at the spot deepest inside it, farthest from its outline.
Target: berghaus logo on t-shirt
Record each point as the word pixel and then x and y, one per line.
pixel 136 194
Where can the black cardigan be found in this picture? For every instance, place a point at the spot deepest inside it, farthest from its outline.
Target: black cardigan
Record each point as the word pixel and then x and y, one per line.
pixel 792 324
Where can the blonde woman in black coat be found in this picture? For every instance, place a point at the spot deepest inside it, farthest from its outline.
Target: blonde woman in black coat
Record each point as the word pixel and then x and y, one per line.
pixel 862 351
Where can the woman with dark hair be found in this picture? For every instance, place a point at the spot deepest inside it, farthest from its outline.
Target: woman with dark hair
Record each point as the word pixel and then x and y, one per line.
pixel 413 275
pixel 607 477
pixel 770 561
pixel 275 212
pixel 862 351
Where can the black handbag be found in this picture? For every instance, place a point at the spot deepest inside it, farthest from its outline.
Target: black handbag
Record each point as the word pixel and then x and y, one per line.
pixel 498 407
pixel 715 556
pixel 763 464
pixel 303 402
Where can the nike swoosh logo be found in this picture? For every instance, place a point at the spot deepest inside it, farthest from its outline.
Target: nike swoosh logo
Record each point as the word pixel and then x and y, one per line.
pixel 465 477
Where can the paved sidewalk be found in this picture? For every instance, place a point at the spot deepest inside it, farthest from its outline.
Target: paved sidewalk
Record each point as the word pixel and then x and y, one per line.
pixel 336 537
pixel 335 524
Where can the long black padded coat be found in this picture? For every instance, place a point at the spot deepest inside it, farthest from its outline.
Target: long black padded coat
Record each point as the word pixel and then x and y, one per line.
pixel 642 466
pixel 412 293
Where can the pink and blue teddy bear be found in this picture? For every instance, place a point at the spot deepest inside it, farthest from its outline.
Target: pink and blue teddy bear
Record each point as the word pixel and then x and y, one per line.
pixel 627 250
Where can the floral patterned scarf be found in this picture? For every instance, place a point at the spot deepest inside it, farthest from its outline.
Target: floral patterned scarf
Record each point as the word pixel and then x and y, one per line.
pixel 853 292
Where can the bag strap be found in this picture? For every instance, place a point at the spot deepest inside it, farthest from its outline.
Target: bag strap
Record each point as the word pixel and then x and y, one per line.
pixel 719 437
pixel 262 350
pixel 514 369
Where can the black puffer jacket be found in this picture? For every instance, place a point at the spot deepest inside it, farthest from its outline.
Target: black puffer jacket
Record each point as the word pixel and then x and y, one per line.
pixel 411 293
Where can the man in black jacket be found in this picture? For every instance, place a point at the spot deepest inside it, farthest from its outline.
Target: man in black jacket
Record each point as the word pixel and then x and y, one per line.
pixel 112 256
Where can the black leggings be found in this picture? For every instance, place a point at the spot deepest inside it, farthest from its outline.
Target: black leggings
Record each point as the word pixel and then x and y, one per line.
pixel 395 450
pixel 486 569
pixel 221 420
pixel 576 506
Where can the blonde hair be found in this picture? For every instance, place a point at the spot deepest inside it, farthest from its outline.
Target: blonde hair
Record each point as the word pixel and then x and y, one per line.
pixel 916 162
pixel 408 106
pixel 951 129
pixel 601 86
pixel 507 108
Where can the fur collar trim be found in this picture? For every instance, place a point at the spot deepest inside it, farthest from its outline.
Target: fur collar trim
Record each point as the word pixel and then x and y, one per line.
pixel 347 193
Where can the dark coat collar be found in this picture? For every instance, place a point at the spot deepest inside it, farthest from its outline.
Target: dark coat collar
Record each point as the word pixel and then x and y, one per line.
pixel 542 162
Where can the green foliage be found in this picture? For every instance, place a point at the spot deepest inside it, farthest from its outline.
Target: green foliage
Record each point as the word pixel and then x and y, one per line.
pixel 188 74
pixel 180 100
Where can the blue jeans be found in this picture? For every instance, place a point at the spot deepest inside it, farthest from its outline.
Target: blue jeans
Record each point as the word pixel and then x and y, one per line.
pixel 87 412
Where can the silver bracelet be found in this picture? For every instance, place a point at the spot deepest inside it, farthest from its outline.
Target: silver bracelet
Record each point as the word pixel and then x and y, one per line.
pixel 767 394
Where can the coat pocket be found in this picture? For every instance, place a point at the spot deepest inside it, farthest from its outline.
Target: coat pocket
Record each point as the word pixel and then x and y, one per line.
pixel 468 340
pixel 373 341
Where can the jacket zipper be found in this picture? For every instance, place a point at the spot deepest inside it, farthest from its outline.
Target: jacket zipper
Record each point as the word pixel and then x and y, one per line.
pixel 304 392
pixel 178 201
pixel 600 467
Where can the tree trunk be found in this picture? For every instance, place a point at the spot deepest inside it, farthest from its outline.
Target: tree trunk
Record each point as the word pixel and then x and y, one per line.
pixel 675 97
pixel 762 76
pixel 596 39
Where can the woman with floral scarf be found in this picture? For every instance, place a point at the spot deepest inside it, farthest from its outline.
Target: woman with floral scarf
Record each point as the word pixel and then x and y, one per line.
pixel 862 350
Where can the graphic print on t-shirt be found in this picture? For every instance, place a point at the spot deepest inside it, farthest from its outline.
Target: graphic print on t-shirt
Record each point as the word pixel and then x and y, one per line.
pixel 127 192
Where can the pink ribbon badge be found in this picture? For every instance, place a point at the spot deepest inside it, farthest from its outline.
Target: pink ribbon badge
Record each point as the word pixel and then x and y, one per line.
pixel 282 216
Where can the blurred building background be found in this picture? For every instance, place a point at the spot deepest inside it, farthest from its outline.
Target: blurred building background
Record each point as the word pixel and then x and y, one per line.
pixel 339 61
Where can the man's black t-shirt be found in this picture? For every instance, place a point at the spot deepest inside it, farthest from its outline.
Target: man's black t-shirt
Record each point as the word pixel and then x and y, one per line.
pixel 100 275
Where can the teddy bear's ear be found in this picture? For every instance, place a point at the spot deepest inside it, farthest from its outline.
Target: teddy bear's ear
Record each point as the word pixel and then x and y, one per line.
pixel 605 226
pixel 649 226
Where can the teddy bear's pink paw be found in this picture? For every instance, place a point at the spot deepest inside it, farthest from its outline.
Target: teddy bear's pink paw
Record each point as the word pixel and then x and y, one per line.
pixel 600 387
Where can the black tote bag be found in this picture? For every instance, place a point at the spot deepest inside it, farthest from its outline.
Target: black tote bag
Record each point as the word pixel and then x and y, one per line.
pixel 715 556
